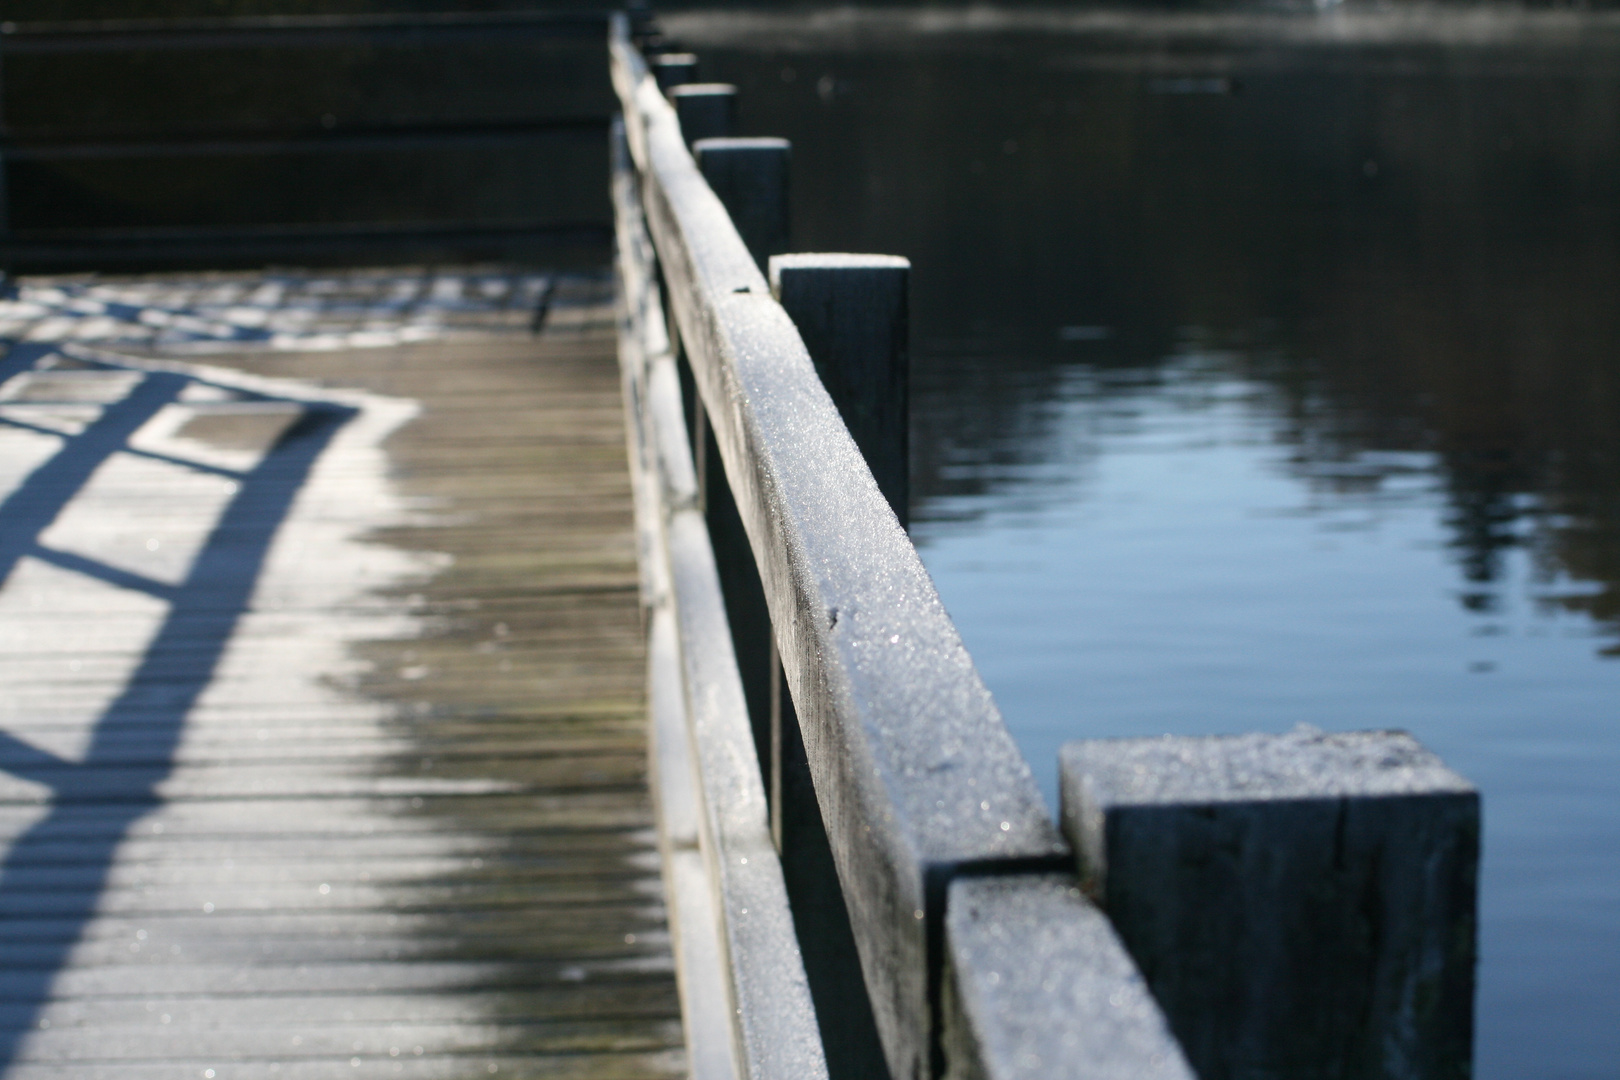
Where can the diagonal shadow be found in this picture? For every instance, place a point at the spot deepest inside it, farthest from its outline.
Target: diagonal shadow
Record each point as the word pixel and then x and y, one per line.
pixel 96 800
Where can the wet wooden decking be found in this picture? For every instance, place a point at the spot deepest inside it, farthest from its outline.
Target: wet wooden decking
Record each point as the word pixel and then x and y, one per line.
pixel 321 682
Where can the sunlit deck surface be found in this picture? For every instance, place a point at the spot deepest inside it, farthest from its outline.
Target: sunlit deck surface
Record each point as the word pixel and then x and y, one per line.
pixel 321 684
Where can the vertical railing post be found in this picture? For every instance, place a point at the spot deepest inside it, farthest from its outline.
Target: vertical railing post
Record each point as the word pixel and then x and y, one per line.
pixel 674 69
pixel 1301 905
pixel 705 110
pixel 751 178
pixel 851 311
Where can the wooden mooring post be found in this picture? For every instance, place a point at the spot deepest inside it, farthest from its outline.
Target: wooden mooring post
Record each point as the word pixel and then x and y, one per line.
pixel 852 312
pixel 706 110
pixel 1301 905
pixel 674 69
pixel 750 176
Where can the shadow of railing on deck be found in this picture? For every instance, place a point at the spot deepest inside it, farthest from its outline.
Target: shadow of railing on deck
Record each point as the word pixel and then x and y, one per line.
pixel 95 800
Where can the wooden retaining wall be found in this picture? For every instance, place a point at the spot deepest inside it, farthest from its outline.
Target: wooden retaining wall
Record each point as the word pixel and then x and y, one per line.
pixel 158 139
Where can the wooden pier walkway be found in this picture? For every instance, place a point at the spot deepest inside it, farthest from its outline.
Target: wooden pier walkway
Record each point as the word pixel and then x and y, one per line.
pixel 321 685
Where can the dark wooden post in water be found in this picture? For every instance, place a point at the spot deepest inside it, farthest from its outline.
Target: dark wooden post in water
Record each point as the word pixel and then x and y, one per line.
pixel 674 69
pixel 1301 905
pixel 751 178
pixel 851 311
pixel 705 110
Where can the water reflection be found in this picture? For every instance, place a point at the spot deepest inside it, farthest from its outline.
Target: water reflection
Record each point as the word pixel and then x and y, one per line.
pixel 1415 244
pixel 1266 372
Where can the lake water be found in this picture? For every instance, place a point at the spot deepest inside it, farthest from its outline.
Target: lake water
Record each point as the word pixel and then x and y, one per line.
pixel 1266 372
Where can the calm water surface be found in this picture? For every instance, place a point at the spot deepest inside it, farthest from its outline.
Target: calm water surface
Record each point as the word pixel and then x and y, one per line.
pixel 1262 379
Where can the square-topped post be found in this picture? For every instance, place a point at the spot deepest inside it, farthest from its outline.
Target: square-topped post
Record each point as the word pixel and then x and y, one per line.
pixel 1301 905
pixel 852 312
pixel 705 110
pixel 674 69
pixel 750 177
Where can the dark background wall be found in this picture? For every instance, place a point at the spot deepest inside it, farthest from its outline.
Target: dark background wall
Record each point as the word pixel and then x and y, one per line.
pixel 236 133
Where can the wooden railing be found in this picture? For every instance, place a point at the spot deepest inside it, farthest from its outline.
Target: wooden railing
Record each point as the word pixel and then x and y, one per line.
pixel 1298 905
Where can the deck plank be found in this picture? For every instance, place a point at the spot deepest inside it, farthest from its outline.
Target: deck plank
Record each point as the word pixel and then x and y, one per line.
pixel 332 764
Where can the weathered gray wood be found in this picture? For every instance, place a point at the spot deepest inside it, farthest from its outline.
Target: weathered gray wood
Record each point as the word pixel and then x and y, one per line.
pixel 705 110
pixel 916 775
pixel 844 1013
pixel 753 194
pixel 399 799
pixel 750 176
pixel 775 1019
pixel 1302 905
pixel 334 1040
pixel 746 613
pixel 375 1065
pixel 661 476
pixel 767 1005
pixel 1039 986
pixel 674 69
pixel 571 1000
pixel 706 999
pixel 852 312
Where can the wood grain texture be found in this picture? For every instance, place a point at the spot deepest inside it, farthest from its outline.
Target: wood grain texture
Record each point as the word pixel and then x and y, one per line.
pixel 386 815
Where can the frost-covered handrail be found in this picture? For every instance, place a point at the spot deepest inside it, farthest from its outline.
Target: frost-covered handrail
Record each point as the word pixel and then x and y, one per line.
pixel 745 1000
pixel 918 780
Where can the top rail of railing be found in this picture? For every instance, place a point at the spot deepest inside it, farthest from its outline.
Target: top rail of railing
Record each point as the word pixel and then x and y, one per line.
pixel 917 776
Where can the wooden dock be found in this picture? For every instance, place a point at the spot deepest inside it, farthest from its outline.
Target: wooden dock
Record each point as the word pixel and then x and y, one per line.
pixel 322 683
